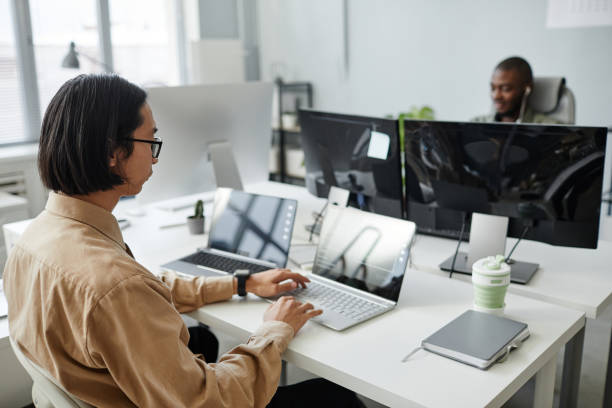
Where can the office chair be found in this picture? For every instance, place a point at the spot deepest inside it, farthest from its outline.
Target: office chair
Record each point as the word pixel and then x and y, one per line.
pixel 552 97
pixel 46 391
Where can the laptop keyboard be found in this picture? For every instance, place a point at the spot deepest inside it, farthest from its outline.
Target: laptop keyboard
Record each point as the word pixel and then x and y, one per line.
pixel 329 298
pixel 222 263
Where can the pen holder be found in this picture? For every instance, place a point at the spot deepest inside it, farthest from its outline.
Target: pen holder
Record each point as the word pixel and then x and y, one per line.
pixel 195 225
pixel 490 277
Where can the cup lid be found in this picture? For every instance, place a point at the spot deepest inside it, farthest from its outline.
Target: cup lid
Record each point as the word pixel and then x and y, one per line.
pixel 492 265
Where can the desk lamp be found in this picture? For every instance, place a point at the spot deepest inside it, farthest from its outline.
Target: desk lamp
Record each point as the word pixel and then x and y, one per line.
pixel 71 59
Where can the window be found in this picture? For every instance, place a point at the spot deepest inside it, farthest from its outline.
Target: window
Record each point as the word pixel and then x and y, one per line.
pixel 145 44
pixel 11 106
pixel 143 49
pixel 54 25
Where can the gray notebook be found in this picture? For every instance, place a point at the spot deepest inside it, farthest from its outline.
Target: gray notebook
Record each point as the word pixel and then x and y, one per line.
pixel 478 339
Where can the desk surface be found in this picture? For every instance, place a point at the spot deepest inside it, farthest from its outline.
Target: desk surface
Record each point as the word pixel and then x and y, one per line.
pixel 371 364
pixel 580 279
pixel 371 352
pixel 367 357
pixel 577 278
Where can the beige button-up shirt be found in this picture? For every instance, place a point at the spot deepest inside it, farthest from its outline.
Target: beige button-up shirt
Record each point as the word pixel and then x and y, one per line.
pixel 110 331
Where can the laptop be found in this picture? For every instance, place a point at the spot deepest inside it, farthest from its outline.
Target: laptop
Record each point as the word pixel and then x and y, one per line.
pixel 359 266
pixel 248 231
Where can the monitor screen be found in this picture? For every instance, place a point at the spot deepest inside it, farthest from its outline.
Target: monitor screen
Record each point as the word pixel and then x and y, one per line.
pixel 364 250
pixel 191 119
pixel 547 177
pixel 252 225
pixel 357 153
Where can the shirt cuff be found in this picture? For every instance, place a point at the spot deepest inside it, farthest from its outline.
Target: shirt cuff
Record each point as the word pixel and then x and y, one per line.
pixel 218 288
pixel 279 332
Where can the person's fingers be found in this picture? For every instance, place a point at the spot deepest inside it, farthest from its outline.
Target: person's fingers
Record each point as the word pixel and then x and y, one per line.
pixel 314 312
pixel 309 314
pixel 285 287
pixel 299 277
pixel 284 274
pixel 284 299
pixel 301 280
pixel 306 306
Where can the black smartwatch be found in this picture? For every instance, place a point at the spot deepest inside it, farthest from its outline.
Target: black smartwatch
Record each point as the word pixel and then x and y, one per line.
pixel 242 275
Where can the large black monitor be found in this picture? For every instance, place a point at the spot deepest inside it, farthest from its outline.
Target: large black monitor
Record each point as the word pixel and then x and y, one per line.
pixel 547 179
pixel 357 153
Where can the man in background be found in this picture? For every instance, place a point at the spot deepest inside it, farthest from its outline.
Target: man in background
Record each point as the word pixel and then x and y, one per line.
pixel 511 84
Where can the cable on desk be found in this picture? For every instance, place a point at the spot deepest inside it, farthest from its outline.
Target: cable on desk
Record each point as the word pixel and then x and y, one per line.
pixel 412 353
pixel 525 230
pixel 452 269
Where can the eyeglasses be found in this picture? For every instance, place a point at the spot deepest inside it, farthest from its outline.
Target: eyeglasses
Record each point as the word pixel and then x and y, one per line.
pixel 155 145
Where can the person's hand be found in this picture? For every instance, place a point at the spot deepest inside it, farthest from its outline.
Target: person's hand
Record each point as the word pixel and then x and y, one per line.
pixel 291 311
pixel 268 283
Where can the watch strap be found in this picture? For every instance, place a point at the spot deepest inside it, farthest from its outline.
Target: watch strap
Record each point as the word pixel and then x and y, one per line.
pixel 242 275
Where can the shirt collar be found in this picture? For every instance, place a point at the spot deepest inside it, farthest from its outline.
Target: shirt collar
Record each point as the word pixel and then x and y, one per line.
pixel 527 116
pixel 87 213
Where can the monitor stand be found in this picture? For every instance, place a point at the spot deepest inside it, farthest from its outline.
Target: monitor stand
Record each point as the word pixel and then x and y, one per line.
pixel 488 237
pixel 224 165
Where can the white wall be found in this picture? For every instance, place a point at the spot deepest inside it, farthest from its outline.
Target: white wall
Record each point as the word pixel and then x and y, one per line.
pixel 435 52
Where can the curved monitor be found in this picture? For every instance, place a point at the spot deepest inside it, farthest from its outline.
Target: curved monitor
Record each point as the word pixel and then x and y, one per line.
pixel 357 153
pixel 547 177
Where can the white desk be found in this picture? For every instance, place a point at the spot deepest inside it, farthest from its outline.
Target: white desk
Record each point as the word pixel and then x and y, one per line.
pixel 367 357
pixel 580 279
pixel 371 365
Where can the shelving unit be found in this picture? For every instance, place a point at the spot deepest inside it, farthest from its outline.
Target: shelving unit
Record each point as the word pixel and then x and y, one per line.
pixel 286 149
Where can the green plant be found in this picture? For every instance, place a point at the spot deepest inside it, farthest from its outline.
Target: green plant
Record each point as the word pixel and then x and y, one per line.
pixel 199 209
pixel 424 112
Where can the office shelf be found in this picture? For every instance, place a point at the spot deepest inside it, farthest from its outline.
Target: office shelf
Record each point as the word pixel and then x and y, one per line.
pixel 286 149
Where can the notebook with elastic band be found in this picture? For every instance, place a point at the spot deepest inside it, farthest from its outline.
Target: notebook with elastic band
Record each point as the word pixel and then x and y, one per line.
pixel 477 339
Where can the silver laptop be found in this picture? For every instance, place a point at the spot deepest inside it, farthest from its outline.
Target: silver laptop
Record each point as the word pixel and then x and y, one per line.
pixel 248 231
pixel 359 266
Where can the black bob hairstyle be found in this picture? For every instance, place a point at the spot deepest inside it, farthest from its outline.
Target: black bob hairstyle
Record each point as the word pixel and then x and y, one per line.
pixel 86 121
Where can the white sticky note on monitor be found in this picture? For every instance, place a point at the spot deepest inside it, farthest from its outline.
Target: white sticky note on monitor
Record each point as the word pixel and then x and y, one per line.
pixel 379 145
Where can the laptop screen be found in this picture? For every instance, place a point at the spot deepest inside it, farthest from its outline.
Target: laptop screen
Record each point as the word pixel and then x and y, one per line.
pixel 252 225
pixel 364 250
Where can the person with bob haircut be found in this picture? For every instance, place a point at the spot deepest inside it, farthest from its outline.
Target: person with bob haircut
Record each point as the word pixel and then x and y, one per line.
pixel 108 330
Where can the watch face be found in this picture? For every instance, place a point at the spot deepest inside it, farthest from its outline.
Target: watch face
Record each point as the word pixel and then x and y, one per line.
pixel 242 272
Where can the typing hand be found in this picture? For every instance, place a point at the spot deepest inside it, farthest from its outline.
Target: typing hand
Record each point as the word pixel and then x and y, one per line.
pixel 291 311
pixel 268 283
